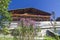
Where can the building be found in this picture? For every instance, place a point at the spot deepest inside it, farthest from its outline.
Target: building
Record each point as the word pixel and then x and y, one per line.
pixel 46 25
pixel 40 18
pixel 28 13
pixel 34 14
pixel 58 19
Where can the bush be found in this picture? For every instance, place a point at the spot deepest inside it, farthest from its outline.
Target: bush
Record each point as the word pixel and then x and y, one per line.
pixel 15 32
pixel 49 38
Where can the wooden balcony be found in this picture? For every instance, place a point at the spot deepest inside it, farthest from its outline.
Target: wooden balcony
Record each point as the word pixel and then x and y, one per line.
pixel 28 15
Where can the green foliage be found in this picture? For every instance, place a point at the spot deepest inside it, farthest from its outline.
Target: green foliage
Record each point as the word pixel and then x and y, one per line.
pixel 15 32
pixel 52 38
pixel 5 31
pixel 6 38
pixel 38 29
pixel 49 38
pixel 57 37
pixel 5 15
pixel 23 32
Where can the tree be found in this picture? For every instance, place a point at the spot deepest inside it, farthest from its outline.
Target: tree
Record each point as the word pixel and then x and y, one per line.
pixel 23 32
pixel 4 14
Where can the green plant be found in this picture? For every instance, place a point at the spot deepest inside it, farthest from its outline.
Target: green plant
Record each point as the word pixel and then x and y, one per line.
pixel 49 38
pixel 15 33
pixel 57 37
pixel 5 31
pixel 4 14
pixel 6 38
pixel 23 33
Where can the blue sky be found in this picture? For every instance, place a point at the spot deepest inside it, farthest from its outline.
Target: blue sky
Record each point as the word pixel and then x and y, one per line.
pixel 45 5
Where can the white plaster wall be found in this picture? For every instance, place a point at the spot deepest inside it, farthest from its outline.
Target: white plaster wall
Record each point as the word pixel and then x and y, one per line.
pixel 46 25
pixel 13 25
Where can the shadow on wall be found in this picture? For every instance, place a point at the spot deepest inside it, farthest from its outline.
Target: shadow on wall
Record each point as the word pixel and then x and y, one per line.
pixel 48 33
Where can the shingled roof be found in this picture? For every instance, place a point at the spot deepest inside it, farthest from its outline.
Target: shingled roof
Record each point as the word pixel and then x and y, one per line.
pixel 30 11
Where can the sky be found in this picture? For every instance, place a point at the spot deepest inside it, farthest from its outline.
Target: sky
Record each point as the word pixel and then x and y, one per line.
pixel 45 5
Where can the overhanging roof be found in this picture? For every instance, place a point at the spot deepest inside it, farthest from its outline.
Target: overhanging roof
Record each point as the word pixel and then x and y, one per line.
pixel 30 11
